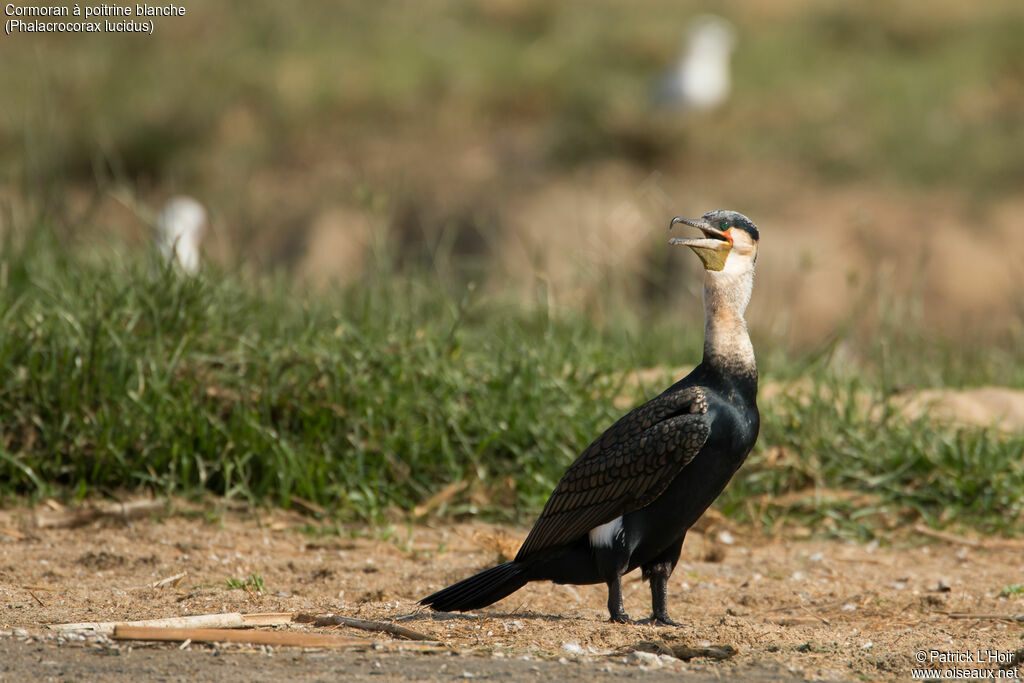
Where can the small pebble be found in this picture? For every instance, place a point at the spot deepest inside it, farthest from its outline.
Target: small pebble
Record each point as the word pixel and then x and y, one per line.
pixel 648 659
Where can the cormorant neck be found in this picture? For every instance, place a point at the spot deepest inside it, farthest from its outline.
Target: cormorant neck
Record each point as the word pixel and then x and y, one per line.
pixel 727 344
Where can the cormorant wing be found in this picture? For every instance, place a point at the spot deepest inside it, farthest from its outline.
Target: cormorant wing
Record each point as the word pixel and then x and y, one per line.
pixel 624 469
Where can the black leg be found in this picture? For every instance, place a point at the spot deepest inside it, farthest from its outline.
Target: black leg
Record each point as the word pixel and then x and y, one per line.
pixel 616 613
pixel 658 575
pixel 657 572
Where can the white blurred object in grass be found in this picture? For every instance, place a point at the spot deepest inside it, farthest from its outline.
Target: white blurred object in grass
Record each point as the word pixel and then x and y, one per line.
pixel 180 228
pixel 700 79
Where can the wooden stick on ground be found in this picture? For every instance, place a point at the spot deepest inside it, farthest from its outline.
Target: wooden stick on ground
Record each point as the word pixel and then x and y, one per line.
pixel 308 505
pixel 943 536
pixel 376 626
pixel 60 517
pixel 991 543
pixel 440 498
pixel 968 615
pixel 170 579
pixel 220 635
pixel 34 597
pixel 226 620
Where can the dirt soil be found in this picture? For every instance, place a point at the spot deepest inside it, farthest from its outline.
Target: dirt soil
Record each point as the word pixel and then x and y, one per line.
pixel 792 608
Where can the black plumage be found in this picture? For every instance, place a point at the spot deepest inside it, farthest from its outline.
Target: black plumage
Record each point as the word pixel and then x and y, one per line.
pixel 629 498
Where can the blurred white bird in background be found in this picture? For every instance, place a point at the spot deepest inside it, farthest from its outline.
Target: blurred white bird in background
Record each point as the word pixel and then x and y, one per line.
pixel 700 79
pixel 179 228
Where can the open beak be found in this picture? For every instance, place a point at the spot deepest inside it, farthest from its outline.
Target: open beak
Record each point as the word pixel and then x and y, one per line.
pixel 712 250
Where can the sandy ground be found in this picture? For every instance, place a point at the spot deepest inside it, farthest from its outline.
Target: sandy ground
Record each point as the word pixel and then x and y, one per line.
pixel 792 608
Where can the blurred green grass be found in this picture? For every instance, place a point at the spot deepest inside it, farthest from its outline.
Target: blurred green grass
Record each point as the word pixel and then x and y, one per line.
pixel 122 375
pixel 905 92
pixel 119 374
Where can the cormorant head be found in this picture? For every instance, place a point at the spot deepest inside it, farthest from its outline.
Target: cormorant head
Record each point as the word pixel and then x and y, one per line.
pixel 730 242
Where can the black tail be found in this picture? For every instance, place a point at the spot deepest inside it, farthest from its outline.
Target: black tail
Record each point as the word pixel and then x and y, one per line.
pixel 479 590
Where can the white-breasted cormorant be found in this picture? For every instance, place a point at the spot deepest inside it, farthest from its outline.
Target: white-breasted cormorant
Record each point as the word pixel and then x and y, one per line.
pixel 629 498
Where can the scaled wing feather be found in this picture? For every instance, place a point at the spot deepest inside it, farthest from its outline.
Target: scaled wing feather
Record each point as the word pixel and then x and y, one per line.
pixel 624 469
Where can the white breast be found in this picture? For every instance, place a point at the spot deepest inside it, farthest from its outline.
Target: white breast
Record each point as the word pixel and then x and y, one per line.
pixel 604 536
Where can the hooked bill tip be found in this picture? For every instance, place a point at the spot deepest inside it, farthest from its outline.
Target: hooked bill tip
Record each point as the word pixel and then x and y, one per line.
pixel 700 224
